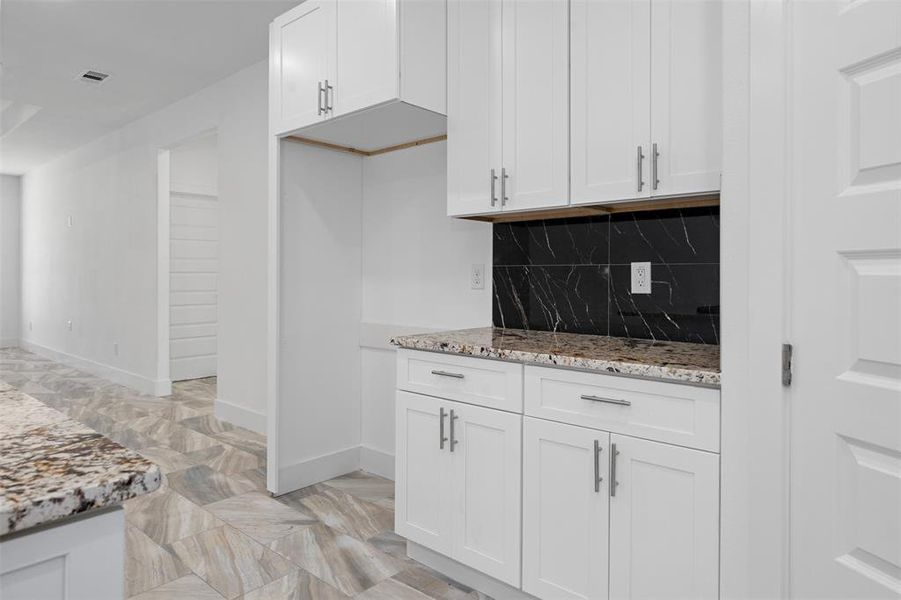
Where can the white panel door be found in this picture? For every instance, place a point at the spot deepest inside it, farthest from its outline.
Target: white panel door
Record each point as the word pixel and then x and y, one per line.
pixel 193 285
pixel 664 521
pixel 610 87
pixel 487 489
pixel 535 104
pixel 473 106
pixel 302 56
pixel 423 510
pixel 564 511
pixel 686 96
pixel 846 302
pixel 367 55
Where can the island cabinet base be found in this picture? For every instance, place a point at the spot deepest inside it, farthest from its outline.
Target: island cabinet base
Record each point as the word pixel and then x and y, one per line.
pixel 79 559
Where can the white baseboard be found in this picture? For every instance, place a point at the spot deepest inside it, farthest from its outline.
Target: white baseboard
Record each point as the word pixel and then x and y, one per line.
pixel 9 342
pixel 465 575
pixel 315 470
pixel 146 385
pixel 377 462
pixel 240 416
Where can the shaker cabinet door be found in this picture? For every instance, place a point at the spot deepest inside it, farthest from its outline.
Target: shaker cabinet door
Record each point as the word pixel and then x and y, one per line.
pixel 564 511
pixel 302 56
pixel 664 521
pixel 423 510
pixel 473 106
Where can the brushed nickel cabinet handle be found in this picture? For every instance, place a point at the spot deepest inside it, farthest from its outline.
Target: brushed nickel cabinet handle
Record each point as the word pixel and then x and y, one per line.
pixel 613 482
pixel 441 439
pixel 504 177
pixel 597 466
pixel 493 182
pixel 654 156
pixel 453 441
pixel 328 99
pixel 319 98
pixel 605 400
pixel 448 374
pixel 640 165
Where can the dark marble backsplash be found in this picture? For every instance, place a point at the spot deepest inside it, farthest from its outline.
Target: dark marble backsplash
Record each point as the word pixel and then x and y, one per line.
pixel 574 275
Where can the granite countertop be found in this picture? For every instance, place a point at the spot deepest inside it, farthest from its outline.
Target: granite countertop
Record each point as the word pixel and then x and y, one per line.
pixel 52 467
pixel 669 361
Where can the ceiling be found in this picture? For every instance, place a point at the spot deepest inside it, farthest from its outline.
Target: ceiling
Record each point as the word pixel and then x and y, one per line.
pixel 156 52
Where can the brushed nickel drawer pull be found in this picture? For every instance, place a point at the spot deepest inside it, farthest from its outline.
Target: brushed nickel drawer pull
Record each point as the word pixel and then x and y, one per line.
pixel 448 374
pixel 604 400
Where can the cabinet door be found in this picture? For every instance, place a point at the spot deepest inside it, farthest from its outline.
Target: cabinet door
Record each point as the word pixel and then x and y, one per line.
pixel 664 521
pixel 367 55
pixel 423 507
pixel 302 56
pixel 536 103
pixel 564 512
pixel 487 486
pixel 473 106
pixel 610 54
pixel 686 95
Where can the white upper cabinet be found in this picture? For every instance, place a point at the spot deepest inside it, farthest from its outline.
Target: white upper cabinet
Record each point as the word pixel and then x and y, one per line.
pixel 374 67
pixel 646 96
pixel 686 96
pixel 301 58
pixel 611 100
pixel 508 105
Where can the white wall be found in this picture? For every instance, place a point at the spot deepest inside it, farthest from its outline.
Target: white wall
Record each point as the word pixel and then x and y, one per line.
pixel 101 272
pixel 416 267
pixel 10 204
pixel 318 417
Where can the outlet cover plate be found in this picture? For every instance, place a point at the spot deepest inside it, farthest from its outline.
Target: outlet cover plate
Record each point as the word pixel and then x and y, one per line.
pixel 641 278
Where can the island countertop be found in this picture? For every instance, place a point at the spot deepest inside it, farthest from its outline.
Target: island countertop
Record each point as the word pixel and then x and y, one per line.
pixel 53 467
pixel 654 359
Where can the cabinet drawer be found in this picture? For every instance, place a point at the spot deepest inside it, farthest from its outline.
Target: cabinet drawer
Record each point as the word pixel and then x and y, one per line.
pixel 490 383
pixel 667 412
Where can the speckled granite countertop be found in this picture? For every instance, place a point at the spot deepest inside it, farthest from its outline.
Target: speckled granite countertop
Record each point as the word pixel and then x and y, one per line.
pixel 52 467
pixel 670 361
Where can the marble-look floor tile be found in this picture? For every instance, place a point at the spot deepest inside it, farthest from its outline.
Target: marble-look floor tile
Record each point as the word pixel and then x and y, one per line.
pixel 366 486
pixel 166 516
pixel 168 460
pixel 342 511
pixel 297 585
pixel 178 411
pixel 189 587
pixel 203 485
pixel 340 560
pixel 391 544
pixel 229 561
pixel 147 565
pixel 391 589
pixel 225 458
pixel 172 435
pixel 260 517
pixel 436 585
pixel 241 438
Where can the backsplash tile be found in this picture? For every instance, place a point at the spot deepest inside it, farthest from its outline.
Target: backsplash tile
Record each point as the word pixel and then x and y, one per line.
pixel 574 275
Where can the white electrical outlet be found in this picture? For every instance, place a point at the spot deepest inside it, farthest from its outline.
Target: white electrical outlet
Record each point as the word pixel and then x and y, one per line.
pixel 641 278
pixel 477 277
pixel 69 325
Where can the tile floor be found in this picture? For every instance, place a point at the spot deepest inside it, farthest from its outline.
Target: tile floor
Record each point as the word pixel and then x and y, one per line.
pixel 212 531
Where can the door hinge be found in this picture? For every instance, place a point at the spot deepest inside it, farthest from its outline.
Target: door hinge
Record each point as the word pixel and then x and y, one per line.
pixel 787 364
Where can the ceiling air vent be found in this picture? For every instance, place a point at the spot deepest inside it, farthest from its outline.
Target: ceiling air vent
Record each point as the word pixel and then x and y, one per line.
pixel 94 76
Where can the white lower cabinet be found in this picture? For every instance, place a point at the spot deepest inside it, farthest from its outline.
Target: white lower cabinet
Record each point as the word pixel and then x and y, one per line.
pixel 664 521
pixel 565 500
pixel 557 509
pixel 458 482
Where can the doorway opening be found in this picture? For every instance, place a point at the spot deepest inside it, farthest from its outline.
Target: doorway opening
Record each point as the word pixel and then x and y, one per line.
pixel 193 262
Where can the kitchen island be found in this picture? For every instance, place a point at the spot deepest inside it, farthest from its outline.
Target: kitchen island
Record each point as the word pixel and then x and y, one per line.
pixel 62 529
